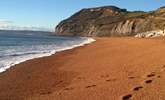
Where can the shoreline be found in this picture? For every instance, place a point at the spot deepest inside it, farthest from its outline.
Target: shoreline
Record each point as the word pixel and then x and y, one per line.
pixel 46 54
pixel 64 78
pixel 107 69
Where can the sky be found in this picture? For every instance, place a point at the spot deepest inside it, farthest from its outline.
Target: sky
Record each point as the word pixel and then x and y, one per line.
pixel 48 13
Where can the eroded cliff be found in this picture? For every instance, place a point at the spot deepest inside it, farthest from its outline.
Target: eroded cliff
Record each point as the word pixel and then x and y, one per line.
pixel 111 21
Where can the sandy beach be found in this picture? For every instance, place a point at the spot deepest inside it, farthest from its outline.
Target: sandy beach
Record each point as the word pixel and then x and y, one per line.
pixel 108 69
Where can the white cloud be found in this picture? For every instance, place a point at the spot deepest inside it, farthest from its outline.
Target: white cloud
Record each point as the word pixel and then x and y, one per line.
pixel 8 25
pixel 5 22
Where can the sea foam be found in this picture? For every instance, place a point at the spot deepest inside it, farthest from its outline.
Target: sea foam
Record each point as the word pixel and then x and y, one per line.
pixel 16 53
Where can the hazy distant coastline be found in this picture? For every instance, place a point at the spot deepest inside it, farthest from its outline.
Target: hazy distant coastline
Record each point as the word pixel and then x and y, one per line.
pixel 22 28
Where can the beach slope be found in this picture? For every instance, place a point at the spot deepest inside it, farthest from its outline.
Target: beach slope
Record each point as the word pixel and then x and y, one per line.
pixel 108 69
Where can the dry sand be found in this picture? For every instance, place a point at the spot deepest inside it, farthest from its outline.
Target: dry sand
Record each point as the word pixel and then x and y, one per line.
pixel 108 69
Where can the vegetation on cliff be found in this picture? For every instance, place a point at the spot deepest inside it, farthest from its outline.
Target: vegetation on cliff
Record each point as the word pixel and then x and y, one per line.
pixel 111 21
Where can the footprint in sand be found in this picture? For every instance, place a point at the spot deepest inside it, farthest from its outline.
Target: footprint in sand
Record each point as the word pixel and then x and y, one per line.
pixel 89 86
pixel 151 75
pixel 45 93
pixel 163 66
pixel 148 81
pixel 110 80
pixel 127 97
pixel 131 77
pixel 137 88
pixel 158 76
pixel 81 78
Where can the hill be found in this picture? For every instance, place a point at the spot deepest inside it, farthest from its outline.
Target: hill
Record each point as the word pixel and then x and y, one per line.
pixel 111 21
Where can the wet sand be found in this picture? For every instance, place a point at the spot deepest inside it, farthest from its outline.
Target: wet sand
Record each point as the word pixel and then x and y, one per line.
pixel 108 69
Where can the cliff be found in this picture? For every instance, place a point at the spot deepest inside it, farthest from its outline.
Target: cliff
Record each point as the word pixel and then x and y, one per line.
pixel 111 21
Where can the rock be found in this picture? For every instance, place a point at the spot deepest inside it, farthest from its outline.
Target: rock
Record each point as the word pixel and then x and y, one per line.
pixel 151 34
pixel 111 21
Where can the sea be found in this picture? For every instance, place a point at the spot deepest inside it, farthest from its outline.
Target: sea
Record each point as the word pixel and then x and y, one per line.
pixel 20 46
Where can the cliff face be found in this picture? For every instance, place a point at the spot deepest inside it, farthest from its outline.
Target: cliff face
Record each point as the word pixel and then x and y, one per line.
pixel 111 21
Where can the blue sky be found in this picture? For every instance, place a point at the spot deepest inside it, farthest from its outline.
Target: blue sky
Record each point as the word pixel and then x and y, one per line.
pixel 48 13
